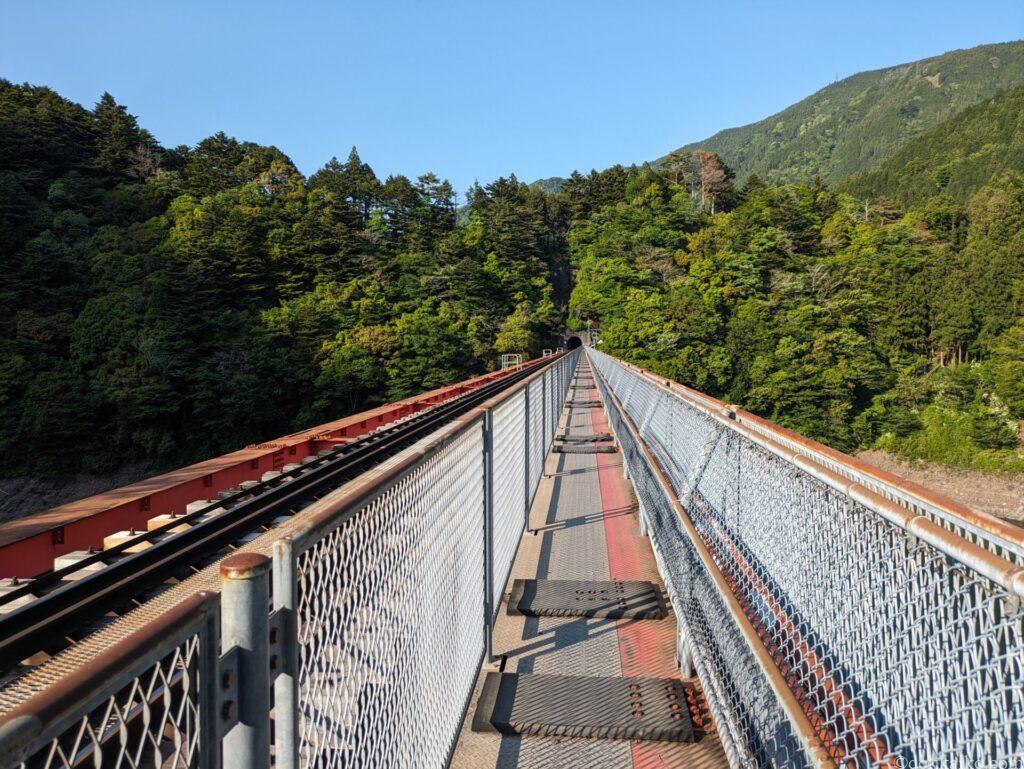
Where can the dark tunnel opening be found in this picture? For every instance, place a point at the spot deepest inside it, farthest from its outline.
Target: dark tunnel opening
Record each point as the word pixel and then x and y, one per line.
pixel 573 342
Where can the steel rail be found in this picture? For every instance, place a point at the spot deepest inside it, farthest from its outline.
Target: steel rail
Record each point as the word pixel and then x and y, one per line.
pixel 57 614
pixel 32 585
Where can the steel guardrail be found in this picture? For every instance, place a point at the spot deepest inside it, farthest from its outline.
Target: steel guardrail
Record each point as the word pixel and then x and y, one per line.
pixel 333 604
pixel 901 641
pixel 1000 537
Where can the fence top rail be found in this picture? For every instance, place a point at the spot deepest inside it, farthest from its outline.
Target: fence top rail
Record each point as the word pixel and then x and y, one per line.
pixel 324 517
pixel 74 693
pixel 821 462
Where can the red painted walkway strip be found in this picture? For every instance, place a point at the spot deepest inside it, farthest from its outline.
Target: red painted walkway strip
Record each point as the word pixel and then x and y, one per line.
pixel 646 648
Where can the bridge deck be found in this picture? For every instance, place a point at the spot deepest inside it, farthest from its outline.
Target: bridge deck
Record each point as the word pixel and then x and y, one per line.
pixel 584 519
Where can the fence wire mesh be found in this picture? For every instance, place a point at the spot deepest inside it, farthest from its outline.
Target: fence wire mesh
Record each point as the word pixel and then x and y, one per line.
pixel 537 443
pixel 391 600
pixel 1000 546
pixel 897 651
pixel 390 608
pixel 144 717
pixel 389 619
pixel 509 486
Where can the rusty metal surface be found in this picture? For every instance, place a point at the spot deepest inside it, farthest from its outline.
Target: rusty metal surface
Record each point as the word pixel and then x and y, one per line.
pixel 321 515
pixel 612 599
pixel 602 707
pixel 46 520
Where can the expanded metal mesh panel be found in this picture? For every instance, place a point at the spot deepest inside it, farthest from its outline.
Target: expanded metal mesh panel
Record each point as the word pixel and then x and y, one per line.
pixel 588 706
pixel 894 649
pixel 390 612
pixel 1011 551
pixel 509 486
pixel 151 721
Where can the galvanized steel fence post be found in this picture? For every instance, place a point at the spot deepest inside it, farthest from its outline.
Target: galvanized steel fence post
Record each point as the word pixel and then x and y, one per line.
pixel 526 443
pixel 245 625
pixel 543 414
pixel 209 693
pixel 488 469
pixel 286 684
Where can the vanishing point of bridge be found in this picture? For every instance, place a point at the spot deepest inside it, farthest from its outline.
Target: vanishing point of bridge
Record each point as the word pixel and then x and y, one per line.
pixel 571 563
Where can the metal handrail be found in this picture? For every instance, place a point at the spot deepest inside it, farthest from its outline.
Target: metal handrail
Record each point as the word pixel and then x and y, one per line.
pixel 65 690
pixel 809 738
pixel 378 573
pixel 42 719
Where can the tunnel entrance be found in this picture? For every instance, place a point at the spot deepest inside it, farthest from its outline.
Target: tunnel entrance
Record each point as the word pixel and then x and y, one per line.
pixel 573 342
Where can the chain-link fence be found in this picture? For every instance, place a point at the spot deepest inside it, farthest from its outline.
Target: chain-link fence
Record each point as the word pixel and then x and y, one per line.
pixel 392 598
pixel 900 641
pixel 510 489
pixel 390 616
pixel 144 703
pixel 383 596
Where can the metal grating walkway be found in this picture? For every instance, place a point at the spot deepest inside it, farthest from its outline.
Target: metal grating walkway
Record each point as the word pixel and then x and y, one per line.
pixel 585 528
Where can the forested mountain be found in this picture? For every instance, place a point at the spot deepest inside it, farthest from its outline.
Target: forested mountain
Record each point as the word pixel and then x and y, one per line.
pixel 165 304
pixel 171 304
pixel 958 156
pixel 863 327
pixel 857 123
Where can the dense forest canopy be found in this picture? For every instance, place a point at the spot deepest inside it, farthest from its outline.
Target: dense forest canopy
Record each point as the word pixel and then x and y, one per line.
pixel 956 157
pixel 170 304
pixel 858 324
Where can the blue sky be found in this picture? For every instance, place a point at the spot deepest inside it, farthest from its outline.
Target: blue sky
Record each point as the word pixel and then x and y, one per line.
pixel 471 90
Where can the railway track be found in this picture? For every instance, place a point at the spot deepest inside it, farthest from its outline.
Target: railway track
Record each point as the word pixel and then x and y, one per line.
pixel 62 610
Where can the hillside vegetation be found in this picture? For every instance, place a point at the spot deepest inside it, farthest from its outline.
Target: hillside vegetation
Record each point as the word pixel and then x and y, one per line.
pixel 165 305
pixel 161 305
pixel 857 123
pixel 883 327
pixel 957 157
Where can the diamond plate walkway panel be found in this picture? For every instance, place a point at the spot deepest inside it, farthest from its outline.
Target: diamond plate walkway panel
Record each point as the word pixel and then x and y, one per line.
pixel 584 527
